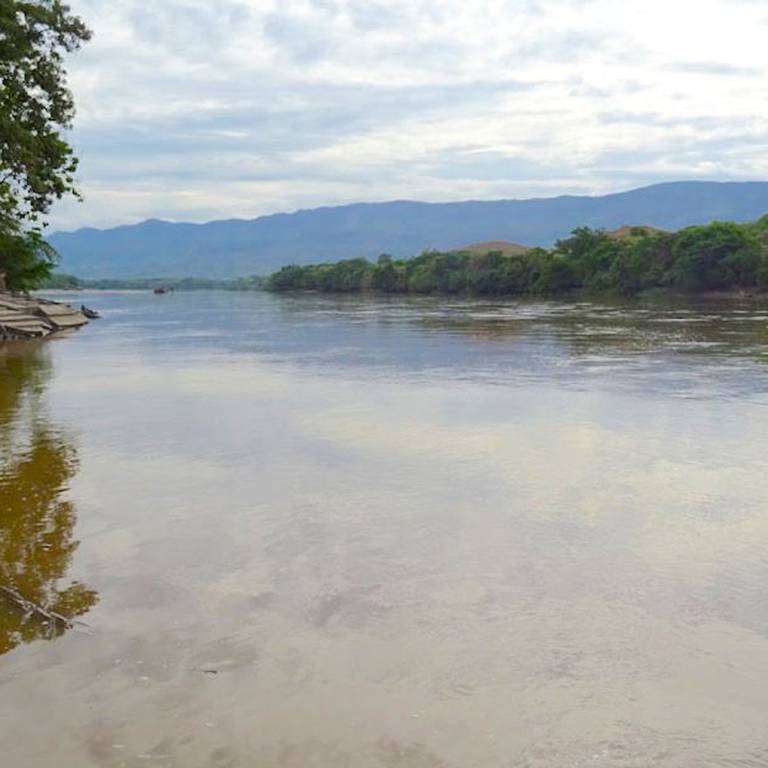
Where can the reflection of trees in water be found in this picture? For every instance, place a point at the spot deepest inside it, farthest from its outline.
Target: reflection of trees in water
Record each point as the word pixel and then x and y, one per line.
pixel 36 523
pixel 580 326
pixel 679 325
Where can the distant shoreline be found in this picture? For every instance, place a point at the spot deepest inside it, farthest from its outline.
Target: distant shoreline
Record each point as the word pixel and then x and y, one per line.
pixel 65 283
pixel 722 260
pixel 649 296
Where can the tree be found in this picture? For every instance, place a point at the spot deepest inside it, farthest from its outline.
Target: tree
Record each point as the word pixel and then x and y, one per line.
pixel 718 256
pixel 26 258
pixel 589 254
pixel 37 166
pixel 388 276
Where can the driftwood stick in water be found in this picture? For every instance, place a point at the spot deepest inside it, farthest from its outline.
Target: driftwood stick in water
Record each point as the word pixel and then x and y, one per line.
pixel 32 609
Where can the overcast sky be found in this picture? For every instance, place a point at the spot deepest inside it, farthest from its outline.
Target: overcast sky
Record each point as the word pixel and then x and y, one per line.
pixel 201 109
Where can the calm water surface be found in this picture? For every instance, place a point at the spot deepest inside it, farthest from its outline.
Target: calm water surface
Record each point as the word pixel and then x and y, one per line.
pixel 321 533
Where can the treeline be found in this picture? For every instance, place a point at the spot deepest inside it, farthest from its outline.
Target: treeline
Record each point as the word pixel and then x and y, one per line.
pixel 62 281
pixel 718 257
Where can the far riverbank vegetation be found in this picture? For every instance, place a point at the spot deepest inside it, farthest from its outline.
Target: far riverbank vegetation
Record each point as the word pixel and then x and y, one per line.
pixel 64 282
pixel 722 256
pixel 718 257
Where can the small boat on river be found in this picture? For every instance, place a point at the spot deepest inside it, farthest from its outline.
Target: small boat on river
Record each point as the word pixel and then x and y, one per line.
pixel 91 314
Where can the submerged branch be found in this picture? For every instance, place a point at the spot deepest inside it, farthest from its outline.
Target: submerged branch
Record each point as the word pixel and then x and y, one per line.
pixel 33 609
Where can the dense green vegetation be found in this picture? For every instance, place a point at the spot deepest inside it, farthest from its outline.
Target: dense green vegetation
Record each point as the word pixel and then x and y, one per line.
pixel 61 281
pixel 718 257
pixel 37 166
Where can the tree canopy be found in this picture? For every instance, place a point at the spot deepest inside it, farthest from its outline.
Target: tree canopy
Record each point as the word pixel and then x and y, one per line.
pixel 37 165
pixel 717 257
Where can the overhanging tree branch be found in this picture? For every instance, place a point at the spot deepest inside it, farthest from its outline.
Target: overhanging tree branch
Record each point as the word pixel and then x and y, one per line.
pixel 37 166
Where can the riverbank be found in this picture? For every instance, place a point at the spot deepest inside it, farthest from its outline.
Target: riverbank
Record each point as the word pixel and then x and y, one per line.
pixel 24 317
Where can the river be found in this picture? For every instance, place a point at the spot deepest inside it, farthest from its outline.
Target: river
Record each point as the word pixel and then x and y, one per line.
pixel 313 532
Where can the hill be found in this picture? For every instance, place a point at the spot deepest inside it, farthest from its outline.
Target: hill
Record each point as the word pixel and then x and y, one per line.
pixel 624 232
pixel 498 246
pixel 260 246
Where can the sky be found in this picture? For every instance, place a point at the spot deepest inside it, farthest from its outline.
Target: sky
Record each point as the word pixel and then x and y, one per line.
pixel 193 110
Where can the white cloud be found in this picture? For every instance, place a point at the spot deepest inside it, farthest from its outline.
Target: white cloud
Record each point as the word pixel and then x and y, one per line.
pixel 196 110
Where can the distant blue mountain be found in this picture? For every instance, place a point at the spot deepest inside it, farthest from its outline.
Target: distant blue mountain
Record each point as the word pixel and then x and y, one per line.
pixel 259 246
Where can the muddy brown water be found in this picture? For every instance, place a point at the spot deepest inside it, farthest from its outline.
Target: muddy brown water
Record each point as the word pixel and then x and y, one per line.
pixel 309 532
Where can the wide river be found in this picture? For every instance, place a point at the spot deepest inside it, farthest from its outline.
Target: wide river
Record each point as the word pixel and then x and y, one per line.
pixel 311 532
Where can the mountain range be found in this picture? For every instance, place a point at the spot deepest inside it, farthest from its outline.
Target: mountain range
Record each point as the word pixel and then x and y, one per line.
pixel 233 248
